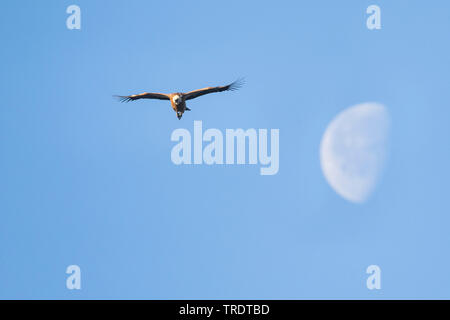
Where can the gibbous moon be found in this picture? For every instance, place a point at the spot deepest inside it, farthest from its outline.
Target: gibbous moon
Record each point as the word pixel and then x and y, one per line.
pixel 353 150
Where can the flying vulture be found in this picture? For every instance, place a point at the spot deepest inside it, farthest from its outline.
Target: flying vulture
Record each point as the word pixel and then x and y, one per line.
pixel 178 99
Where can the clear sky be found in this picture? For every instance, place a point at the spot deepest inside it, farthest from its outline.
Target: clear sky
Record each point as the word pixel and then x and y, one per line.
pixel 88 181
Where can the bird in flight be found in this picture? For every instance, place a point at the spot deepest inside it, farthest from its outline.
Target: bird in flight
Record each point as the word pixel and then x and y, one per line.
pixel 178 99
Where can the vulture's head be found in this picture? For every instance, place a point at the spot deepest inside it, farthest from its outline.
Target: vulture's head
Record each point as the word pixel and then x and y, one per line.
pixel 179 114
pixel 176 99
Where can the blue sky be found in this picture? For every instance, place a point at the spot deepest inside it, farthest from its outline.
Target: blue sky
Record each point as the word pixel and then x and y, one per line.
pixel 86 180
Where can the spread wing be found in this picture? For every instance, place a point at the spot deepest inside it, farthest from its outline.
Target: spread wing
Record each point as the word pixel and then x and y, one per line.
pixel 200 92
pixel 145 95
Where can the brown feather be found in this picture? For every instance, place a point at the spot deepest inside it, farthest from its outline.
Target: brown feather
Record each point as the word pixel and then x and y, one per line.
pixel 145 95
pixel 200 92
